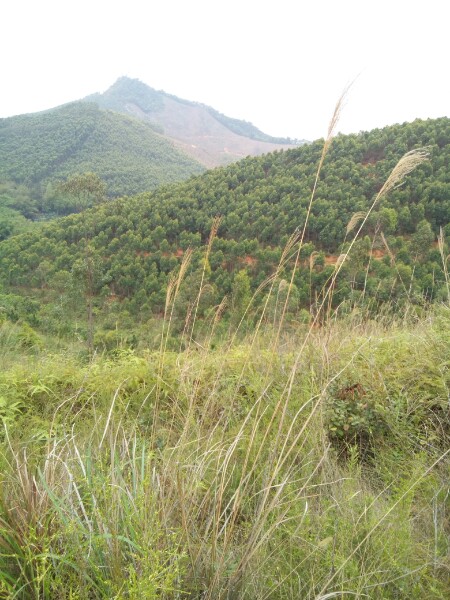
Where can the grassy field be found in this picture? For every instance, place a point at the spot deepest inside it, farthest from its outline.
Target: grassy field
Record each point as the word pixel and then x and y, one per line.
pixel 318 470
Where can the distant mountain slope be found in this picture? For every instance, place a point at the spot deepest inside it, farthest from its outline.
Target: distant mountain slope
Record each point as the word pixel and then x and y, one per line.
pixel 127 153
pixel 201 131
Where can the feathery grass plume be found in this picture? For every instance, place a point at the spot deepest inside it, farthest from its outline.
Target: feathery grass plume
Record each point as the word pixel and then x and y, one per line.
pixel 340 260
pixel 220 309
pixel 286 255
pixel 356 218
pixel 173 288
pixel 388 250
pixel 410 161
pixel 169 295
pixel 183 269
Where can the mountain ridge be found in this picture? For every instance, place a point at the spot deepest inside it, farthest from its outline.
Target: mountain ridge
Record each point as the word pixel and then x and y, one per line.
pixel 203 132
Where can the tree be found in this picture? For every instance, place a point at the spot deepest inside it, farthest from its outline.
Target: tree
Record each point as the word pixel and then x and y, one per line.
pixel 82 191
pixel 241 295
pixel 388 219
pixel 422 239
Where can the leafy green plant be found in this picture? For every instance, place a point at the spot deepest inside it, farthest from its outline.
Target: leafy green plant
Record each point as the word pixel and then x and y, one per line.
pixel 353 415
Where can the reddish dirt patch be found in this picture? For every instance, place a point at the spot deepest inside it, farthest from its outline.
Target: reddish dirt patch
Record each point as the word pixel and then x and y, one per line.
pixel 378 253
pixel 249 260
pixel 331 260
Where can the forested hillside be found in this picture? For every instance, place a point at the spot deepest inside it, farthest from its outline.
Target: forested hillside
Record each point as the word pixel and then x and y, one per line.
pixel 133 244
pixel 38 149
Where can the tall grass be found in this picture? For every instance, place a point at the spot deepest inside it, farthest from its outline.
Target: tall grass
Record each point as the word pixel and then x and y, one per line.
pixel 241 494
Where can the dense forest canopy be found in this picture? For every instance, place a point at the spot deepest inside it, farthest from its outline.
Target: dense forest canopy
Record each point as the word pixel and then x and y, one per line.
pixel 136 242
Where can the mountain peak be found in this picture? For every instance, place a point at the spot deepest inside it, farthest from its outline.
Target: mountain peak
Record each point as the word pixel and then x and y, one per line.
pixel 199 130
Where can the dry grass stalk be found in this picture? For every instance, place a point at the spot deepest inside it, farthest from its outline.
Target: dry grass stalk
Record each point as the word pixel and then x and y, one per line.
pixel 331 130
pixel 388 250
pixel 312 259
pixel 172 292
pixel 213 233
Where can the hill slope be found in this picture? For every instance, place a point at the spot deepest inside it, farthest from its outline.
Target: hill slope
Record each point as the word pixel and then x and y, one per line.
pixel 128 154
pixel 199 130
pixel 136 242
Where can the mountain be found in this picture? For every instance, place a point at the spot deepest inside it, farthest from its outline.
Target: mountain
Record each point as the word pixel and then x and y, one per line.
pixel 128 154
pixel 135 243
pixel 199 130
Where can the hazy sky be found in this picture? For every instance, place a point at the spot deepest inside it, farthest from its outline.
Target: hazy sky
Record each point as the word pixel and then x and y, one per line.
pixel 280 64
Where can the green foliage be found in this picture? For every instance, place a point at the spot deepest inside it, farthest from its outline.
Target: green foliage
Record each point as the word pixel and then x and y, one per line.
pixel 15 308
pixel 48 147
pixel 17 197
pixel 27 337
pixel 353 417
pixel 241 295
pixel 83 189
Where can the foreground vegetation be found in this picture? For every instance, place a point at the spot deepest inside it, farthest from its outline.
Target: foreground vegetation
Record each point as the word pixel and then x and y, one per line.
pixel 316 471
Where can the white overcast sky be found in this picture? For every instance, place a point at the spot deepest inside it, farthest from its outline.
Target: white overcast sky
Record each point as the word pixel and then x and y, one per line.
pixel 280 64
